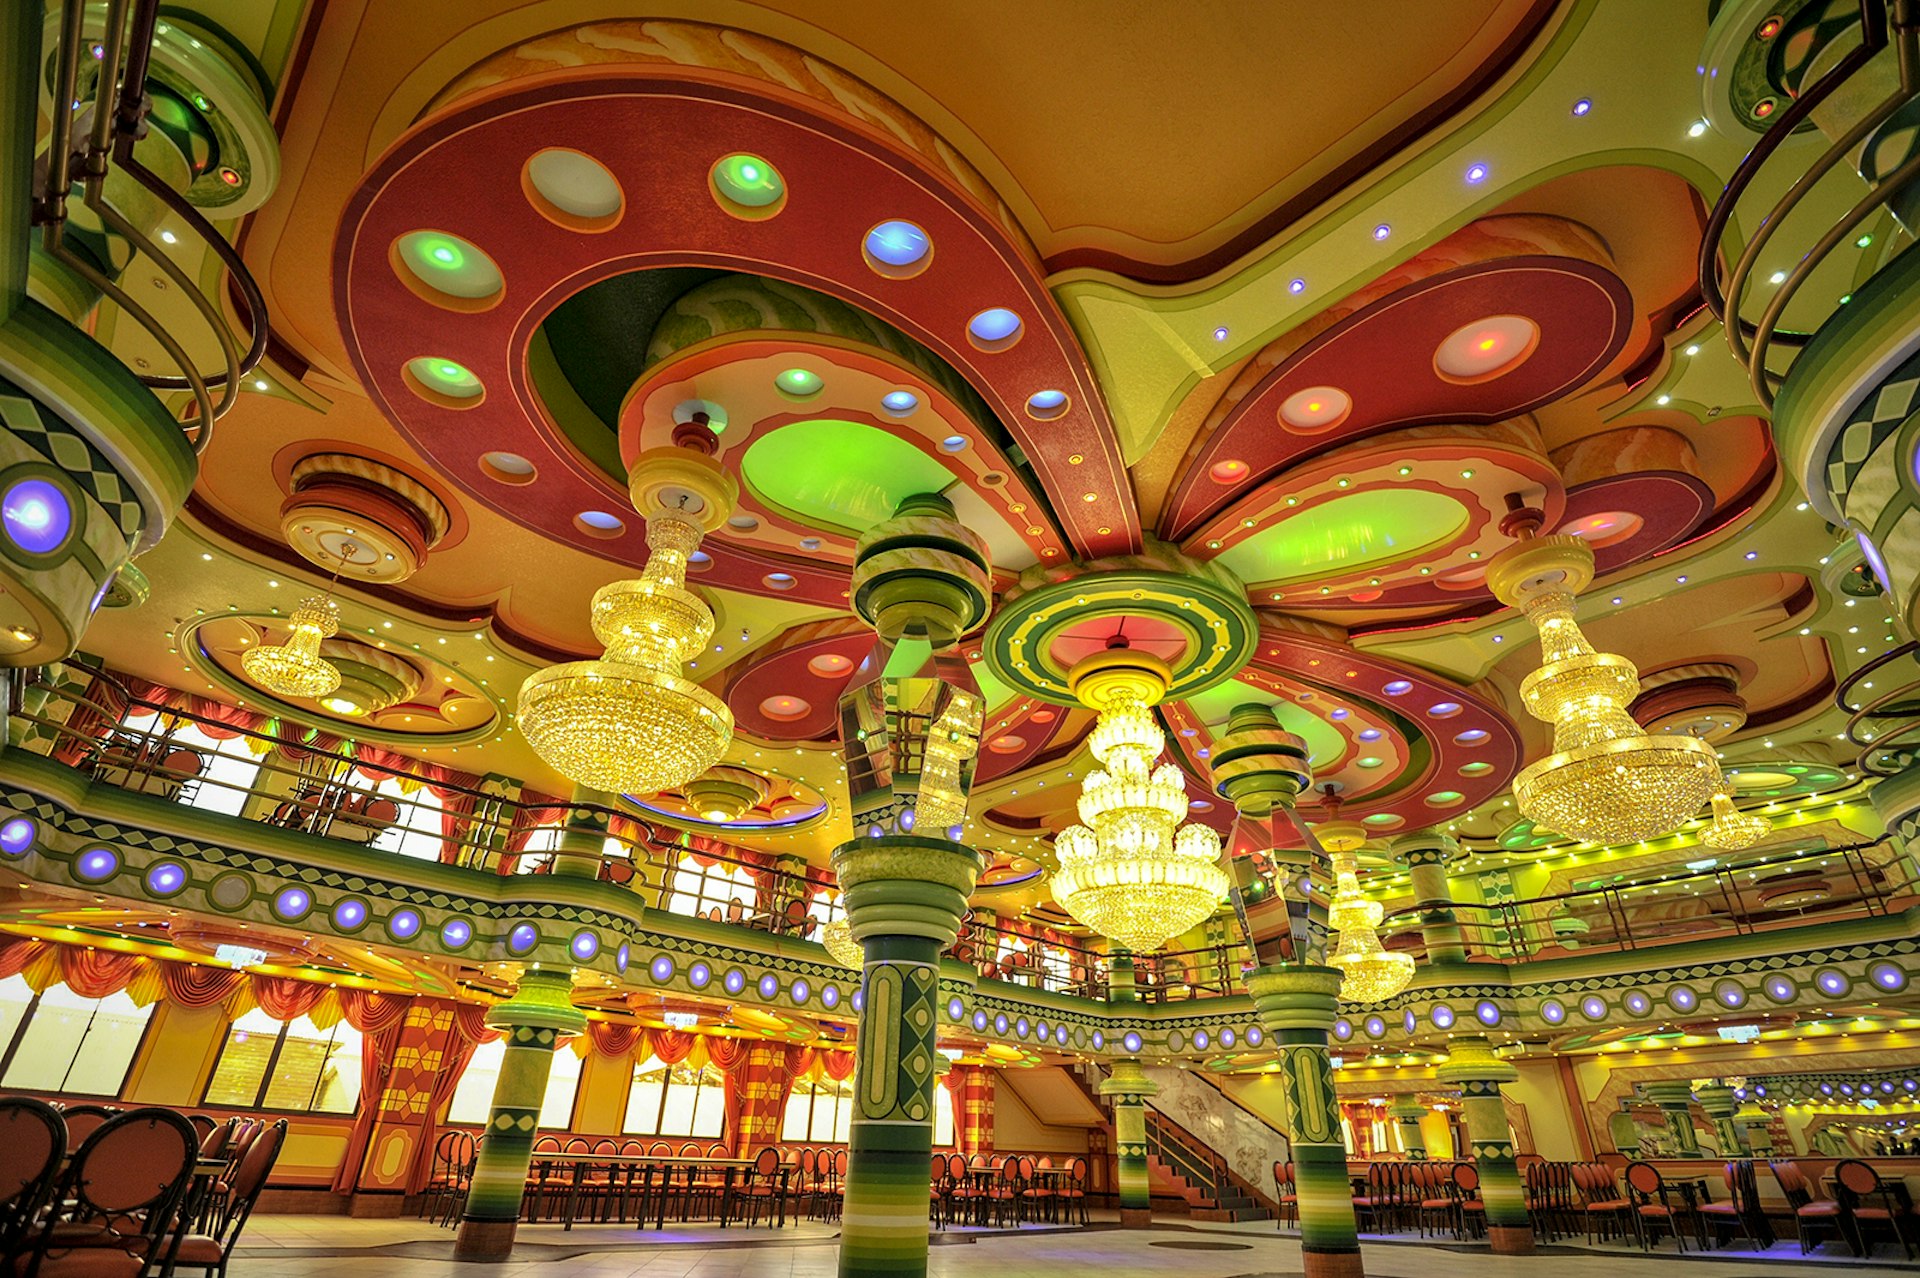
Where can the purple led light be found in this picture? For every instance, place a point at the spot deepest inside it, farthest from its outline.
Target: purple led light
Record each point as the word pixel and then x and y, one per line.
pixel 166 878
pixel 1779 989
pixel 522 938
pixel 1060 1035
pixel 1637 1003
pixel 1200 1040
pixel 769 987
pixel 980 1021
pixel 622 957
pixel 1442 709
pixel 1022 1027
pixel 1442 1017
pixel 1297 286
pixel 350 914
pixel 1476 174
pixel 292 903
pixel 661 970
pixel 1552 1012
pixel 859 1000
pixel 1398 688
pixel 699 975
pixel 1375 1027
pixel 16 835
pixel 799 991
pixel 36 515
pixel 1486 1013
pixel 1132 1041
pixel 955 1009
pixel 1226 1037
pixel 1382 231
pixel 96 864
pixel 403 924
pixel 1593 1007
pixel 1408 1021
pixel 1371 734
pixel 1343 1029
pixel 1000 1023
pixel 1099 1040
pixel 584 945
pixel 455 933
pixel 1582 105
pixel 734 981
pixel 1832 982
pixel 1255 1035
pixel 1683 998
pixel 830 997
pixel 1885 975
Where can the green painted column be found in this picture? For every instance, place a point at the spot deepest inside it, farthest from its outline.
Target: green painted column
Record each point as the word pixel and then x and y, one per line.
pixel 1472 1066
pixel 1675 1099
pixel 1129 1088
pixel 1757 1124
pixel 1120 983
pixel 904 896
pixel 539 1012
pixel 1296 1004
pixel 1717 1099
pixel 583 837
pixel 1408 1111
pixel 1426 856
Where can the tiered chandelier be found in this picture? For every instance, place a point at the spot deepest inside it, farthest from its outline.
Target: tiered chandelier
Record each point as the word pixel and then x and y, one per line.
pixel 1368 971
pixel 296 668
pixel 630 722
pixel 1733 829
pixel 837 936
pixel 1607 779
pixel 1132 872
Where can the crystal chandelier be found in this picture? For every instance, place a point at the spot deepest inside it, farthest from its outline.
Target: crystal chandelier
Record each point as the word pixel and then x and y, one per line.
pixel 1128 873
pixel 1368 971
pixel 1607 779
pixel 837 936
pixel 630 722
pixel 1733 829
pixel 296 668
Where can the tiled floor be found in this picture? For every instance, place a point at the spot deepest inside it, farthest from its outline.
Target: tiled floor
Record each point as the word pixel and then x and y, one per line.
pixel 339 1247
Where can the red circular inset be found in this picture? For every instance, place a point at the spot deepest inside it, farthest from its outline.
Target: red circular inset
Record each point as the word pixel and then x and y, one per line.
pixel 828 664
pixel 1604 528
pixel 1486 349
pixel 785 708
pixel 1231 471
pixel 1315 409
pixel 1008 744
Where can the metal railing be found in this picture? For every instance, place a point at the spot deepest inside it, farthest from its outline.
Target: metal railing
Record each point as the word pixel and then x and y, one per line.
pixel 1884 727
pixel 91 138
pixel 1724 287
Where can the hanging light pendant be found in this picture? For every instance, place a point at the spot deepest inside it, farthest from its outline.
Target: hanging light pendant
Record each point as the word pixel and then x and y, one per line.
pixel 1128 872
pixel 1733 829
pixel 1607 779
pixel 1369 972
pixel 630 722
pixel 296 668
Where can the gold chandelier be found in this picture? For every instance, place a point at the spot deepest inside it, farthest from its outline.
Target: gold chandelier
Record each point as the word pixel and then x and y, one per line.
pixel 1733 829
pixel 296 668
pixel 1128 873
pixel 837 936
pixel 1607 780
pixel 1368 971
pixel 725 793
pixel 630 722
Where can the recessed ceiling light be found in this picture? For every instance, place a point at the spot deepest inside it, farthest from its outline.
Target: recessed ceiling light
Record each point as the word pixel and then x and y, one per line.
pixel 1582 105
pixel 1382 231
pixel 1697 128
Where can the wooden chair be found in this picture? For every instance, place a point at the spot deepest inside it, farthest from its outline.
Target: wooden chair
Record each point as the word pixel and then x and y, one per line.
pixel 1073 1196
pixel 762 1188
pixel 118 1197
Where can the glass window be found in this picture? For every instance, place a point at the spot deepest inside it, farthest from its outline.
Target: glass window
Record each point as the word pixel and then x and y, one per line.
pixel 473 1096
pixel 65 1043
pixel 295 1065
pixel 416 830
pixel 678 1100
pixel 227 774
pixel 818 1111
pixel 710 890
pixel 942 1117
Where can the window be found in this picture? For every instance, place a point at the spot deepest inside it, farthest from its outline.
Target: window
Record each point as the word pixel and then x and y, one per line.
pixel 228 773
pixel 473 1097
pixel 942 1117
pixel 60 1042
pixel 537 856
pixel 416 831
pixel 677 1100
pixel 292 1065
pixel 818 1111
pixel 708 890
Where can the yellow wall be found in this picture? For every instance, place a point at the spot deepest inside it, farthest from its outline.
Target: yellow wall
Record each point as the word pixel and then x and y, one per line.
pixel 1538 1089
pixel 1261 1093
pixel 1016 1127
pixel 177 1056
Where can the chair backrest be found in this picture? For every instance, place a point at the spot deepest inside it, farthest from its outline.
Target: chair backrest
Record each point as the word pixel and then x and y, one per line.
pixel 606 1146
pixel 128 1175
pixel 546 1145
pixel 216 1141
pixel 766 1163
pixel 1465 1178
pixel 660 1149
pixel 204 1125
pixel 35 1139
pixel 633 1147
pixel 1791 1183
pixel 248 1182
pixel 717 1150
pixel 1080 1170
pixel 576 1145
pixel 83 1121
pixel 1644 1178
pixel 1856 1177
pixel 690 1150
pixel 840 1162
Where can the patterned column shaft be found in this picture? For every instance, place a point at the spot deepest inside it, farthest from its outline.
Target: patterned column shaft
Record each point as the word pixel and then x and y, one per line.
pixel 1426 857
pixel 973 1111
pixel 1472 1066
pixel 1120 984
pixel 540 1011
pixel 1757 1125
pixel 1408 1111
pixel 1296 1005
pixel 1717 1099
pixel 1675 1099
pixel 1897 801
pixel 764 1089
pixel 583 837
pixel 905 896
pixel 1129 1088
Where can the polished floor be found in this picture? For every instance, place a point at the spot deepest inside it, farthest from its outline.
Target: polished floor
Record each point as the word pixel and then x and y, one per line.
pixel 335 1247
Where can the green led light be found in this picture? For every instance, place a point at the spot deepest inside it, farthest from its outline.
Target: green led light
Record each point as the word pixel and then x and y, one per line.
pixel 748 181
pixel 444 254
pixel 799 381
pixel 444 377
pixel 1371 761
pixel 1865 241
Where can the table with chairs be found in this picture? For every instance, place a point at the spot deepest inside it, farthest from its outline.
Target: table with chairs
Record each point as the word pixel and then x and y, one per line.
pixel 1008 1190
pixel 95 1192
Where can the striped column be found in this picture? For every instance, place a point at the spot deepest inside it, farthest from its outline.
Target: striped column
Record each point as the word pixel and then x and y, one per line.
pixel 539 1013
pixel 583 837
pixel 1717 1099
pixel 1296 1004
pixel 1129 1088
pixel 1675 1099
pixel 1426 856
pixel 905 896
pixel 1408 1111
pixel 1472 1066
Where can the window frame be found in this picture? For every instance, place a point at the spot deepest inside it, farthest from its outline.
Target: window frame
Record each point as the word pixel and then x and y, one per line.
pixel 26 1022
pixel 259 1105
pixel 701 1084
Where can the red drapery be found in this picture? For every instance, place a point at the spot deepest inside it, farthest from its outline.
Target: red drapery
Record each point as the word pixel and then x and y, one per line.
pixel 837 1065
pixel 373 1011
pixel 454 789
pixel 197 984
pixel 377 1051
pixel 615 1038
pixel 454 1059
pixel 17 953
pixel 285 999
pixel 671 1046
pixel 470 1022
pixel 94 973
pixel 535 810
pixel 86 724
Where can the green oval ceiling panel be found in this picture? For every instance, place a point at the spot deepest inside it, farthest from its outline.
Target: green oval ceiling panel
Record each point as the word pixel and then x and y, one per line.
pixel 1346 534
pixel 839 474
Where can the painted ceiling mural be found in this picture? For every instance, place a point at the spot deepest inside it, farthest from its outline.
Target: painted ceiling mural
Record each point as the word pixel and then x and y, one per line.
pixel 1301 347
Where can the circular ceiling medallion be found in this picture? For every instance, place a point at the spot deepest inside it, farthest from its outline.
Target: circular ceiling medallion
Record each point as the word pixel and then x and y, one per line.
pixel 507 468
pixel 1604 528
pixel 785 707
pixel 1231 471
pixel 1486 349
pixel 1315 409
pixel 1008 744
pixel 449 272
pixel 828 664
pixel 573 190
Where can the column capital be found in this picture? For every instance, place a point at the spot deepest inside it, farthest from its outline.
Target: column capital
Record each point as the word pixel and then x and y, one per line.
pixel 1425 847
pixel 1126 1080
pixel 1408 1107
pixel 542 1003
pixel 1672 1093
pixel 906 885
pixel 1295 995
pixel 1471 1063
pixel 1716 1098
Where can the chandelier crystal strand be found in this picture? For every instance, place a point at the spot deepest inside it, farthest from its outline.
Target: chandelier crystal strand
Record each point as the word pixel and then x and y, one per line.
pixel 1733 829
pixel 296 668
pixel 837 936
pixel 1369 972
pixel 1607 780
pixel 630 722
pixel 1132 872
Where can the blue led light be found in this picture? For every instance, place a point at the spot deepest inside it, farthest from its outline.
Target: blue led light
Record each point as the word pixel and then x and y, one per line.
pixel 36 515
pixel 621 957
pixel 1486 1012
pixel 1046 401
pixel 900 402
pixel 350 914
pixel 1442 1017
pixel 16 835
pixel 522 938
pixel 994 325
pixel 830 997
pixel 699 974
pixel 897 243
pixel 166 877
pixel 1132 1041
pixel 799 991
pixel 734 981
pixel 403 925
pixel 96 864
pixel 293 904
pixel 455 933
pixel 584 945
pixel 661 970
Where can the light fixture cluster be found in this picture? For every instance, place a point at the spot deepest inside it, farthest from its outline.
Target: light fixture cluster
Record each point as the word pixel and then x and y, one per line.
pixel 296 668
pixel 1132 872
pixel 1368 971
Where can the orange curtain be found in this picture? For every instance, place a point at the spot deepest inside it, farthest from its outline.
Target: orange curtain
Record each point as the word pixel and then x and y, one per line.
pixel 285 999
pixel 837 1065
pixel 198 984
pixel 372 1011
pixel 671 1046
pixel 96 973
pixel 615 1038
pixel 17 953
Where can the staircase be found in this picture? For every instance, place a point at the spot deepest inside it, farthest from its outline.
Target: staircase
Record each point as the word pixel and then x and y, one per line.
pixel 1183 1168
